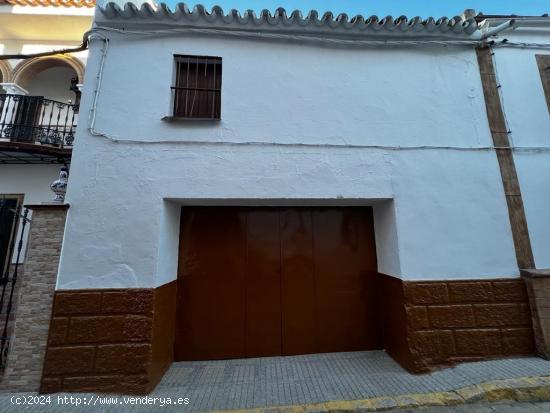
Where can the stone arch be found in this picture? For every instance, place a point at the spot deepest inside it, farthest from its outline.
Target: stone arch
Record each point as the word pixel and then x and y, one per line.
pixel 5 72
pixel 25 70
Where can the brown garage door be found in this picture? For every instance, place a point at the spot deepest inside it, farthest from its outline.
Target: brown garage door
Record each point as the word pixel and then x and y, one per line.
pixel 275 281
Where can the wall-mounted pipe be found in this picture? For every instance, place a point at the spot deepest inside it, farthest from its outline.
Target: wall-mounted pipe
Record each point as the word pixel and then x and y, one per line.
pixel 510 24
pixel 80 48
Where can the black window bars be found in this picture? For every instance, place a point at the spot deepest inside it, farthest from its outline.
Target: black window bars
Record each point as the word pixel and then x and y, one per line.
pixel 197 91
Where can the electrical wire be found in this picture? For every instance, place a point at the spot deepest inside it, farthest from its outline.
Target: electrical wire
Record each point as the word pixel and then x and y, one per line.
pixel 326 40
pixel 93 112
pixel 320 145
pixel 523 45
pixel 289 36
pixel 99 78
pixel 501 97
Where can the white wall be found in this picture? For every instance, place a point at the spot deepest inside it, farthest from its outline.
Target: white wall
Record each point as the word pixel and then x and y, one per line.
pixel 529 120
pixel 445 213
pixel 33 181
pixel 53 83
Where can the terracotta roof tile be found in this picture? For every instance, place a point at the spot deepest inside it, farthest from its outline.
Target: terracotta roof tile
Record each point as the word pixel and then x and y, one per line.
pixel 54 3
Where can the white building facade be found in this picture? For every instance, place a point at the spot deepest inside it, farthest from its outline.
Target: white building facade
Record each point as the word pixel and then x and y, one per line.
pixel 394 120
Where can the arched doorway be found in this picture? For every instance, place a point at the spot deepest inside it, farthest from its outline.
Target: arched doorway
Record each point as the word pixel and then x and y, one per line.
pixel 5 72
pixel 51 77
pixel 47 114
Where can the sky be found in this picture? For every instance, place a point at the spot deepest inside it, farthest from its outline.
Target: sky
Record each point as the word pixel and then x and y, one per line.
pixel 410 8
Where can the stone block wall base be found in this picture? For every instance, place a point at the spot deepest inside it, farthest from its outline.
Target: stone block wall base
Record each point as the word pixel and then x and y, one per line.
pixel 538 289
pixel 110 340
pixel 434 324
pixel 121 340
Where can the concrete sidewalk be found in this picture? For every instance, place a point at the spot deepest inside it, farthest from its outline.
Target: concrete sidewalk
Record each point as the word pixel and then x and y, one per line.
pixel 298 380
pixel 327 382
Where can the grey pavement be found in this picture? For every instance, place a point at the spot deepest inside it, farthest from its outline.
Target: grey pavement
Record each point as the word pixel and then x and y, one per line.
pixel 272 381
pixel 276 381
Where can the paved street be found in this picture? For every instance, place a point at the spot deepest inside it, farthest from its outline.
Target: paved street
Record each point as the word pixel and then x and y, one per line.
pixel 297 380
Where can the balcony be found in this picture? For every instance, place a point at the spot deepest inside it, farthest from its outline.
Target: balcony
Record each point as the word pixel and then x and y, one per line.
pixel 36 130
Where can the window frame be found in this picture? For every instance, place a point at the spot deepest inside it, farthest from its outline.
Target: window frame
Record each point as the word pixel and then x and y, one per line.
pixel 177 114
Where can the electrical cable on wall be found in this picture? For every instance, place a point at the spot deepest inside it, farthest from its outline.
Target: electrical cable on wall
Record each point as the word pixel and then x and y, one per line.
pixel 327 40
pixel 97 32
pixel 501 97
pixel 286 36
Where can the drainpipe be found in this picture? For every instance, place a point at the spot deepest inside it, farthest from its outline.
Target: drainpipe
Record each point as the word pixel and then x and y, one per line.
pixel 80 48
pixel 510 24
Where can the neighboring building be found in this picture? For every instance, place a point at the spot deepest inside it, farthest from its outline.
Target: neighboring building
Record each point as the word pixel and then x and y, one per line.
pixel 37 119
pixel 269 185
pixel 39 101
pixel 38 96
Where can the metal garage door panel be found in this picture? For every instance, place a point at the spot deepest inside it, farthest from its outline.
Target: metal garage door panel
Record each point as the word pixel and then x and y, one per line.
pixel 211 284
pixel 344 280
pixel 298 282
pixel 271 281
pixel 263 283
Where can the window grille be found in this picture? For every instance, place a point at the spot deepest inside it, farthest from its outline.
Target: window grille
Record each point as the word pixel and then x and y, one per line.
pixel 197 92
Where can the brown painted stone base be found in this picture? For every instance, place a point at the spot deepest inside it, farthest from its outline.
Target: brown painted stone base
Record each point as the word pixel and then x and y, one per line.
pixel 118 340
pixel 122 341
pixel 440 323
pixel 538 288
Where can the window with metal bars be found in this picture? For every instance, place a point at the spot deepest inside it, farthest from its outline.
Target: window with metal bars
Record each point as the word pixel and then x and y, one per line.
pixel 197 92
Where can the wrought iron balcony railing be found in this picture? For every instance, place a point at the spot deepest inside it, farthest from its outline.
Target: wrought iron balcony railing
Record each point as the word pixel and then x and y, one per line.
pixel 36 120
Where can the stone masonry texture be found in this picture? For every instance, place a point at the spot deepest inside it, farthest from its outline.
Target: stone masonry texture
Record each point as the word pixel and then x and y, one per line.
pixel 35 295
pixel 538 288
pixel 454 321
pixel 109 340
pixel 120 341
pixel 99 341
